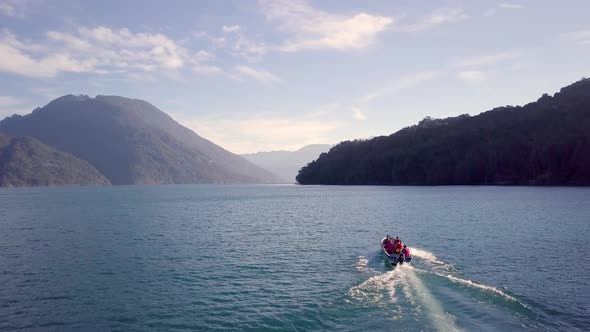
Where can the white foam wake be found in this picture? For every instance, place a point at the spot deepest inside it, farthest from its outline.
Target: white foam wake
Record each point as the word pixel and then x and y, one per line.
pixel 362 264
pixel 440 319
pixel 431 259
pixel 486 288
pixel 381 290
pixel 373 290
pixel 476 285
pixel 441 268
pixel 434 262
pixel 407 291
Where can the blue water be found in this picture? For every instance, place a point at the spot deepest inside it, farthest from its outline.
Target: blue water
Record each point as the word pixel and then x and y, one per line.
pixel 294 258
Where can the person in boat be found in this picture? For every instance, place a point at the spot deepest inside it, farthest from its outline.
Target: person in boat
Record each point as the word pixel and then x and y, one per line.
pixel 386 239
pixel 397 240
pixel 389 247
pixel 398 247
pixel 401 259
pixel 406 252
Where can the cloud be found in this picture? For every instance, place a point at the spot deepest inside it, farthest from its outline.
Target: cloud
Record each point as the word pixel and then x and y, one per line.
pixel 261 132
pixel 581 37
pixel 13 8
pixel 13 60
pixel 489 59
pixel 8 101
pixel 247 48
pixel 399 84
pixel 231 28
pixel 235 42
pixel 47 92
pixel 202 66
pixel 206 70
pixel 358 114
pixel 312 29
pixel 470 68
pixel 257 74
pixel 471 76
pixel 438 17
pixel 203 56
pixel 306 27
pixel 217 42
pixel 390 88
pixel 122 47
pixel 10 105
pixel 510 6
pixel 502 7
pixel 98 50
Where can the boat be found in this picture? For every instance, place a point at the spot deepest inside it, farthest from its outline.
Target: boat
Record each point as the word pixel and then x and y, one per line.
pixel 394 259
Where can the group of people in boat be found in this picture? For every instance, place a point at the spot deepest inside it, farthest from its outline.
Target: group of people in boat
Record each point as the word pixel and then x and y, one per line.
pixel 396 246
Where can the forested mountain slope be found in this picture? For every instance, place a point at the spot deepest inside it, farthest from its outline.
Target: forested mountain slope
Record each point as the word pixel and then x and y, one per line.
pixel 546 142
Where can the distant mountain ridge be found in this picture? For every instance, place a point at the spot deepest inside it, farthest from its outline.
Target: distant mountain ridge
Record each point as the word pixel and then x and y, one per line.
pixel 286 164
pixel 546 142
pixel 130 141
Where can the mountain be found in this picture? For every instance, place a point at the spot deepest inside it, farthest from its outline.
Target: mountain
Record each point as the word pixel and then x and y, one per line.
pixel 132 142
pixel 286 164
pixel 24 161
pixel 546 142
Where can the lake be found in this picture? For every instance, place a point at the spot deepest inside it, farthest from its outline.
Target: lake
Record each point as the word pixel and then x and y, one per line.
pixel 286 257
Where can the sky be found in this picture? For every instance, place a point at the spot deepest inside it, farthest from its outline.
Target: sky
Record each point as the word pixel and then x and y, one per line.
pixel 280 74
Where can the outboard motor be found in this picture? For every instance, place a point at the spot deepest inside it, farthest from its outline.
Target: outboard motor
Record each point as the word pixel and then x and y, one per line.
pixel 401 259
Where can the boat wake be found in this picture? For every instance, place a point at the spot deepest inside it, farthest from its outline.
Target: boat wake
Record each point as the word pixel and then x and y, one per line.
pixel 362 264
pixel 430 259
pixel 472 284
pixel 378 289
pixel 430 288
pixel 401 290
pixel 445 270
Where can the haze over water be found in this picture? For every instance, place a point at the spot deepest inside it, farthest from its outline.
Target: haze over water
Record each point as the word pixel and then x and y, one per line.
pixel 293 258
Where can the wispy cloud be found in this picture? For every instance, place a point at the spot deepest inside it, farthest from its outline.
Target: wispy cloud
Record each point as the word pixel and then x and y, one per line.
pixel 510 6
pixel 438 17
pixel 261 132
pixel 359 106
pixel 257 74
pixel 10 105
pixel 17 61
pixel 203 56
pixel 398 84
pixel 306 28
pixel 488 59
pixel 201 64
pixel 265 131
pixel 8 101
pixel 358 114
pixel 13 8
pixel 502 7
pixel 581 37
pixel 309 28
pixel 235 42
pixel 471 76
pixel 230 28
pixel 470 69
pixel 134 55
pixel 207 70
pixel 97 50
pixel 123 48
pixel 47 92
